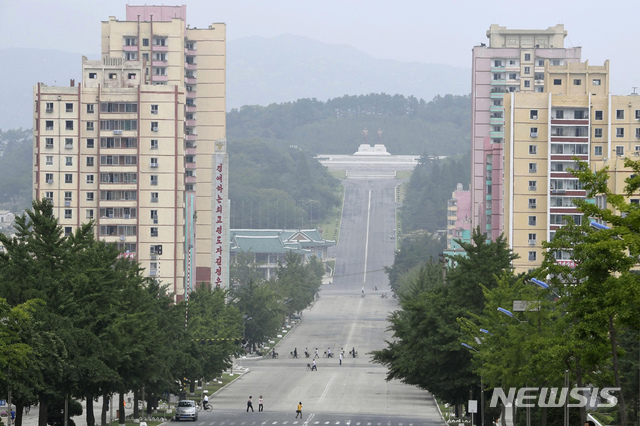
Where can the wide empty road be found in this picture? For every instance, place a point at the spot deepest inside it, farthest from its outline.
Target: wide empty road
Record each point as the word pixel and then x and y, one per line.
pixel 354 393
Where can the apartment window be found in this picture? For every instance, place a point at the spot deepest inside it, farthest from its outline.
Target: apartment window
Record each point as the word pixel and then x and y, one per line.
pixel 154 162
pixel 68 107
pixel 497 128
pixel 597 132
pixel 533 185
pixel 90 161
pixel 555 62
pixel 153 266
pixel 619 150
pixel 89 214
pixel 90 143
pixel 637 132
pixel 90 126
pixel 68 143
pixel 154 144
pixel 577 82
pixel 154 216
pixel 131 75
pixel 527 56
pixel 527 70
pixel 68 161
pixel 597 150
pixel 49 107
pixel 68 230
pixel 557 82
pixel 533 149
pixel 89 196
pixel 188 187
pixel 154 231
pixel 533 132
pixel 93 75
pixel 598 115
pixel 154 197
pixel 527 83
pixel 68 196
pixel 533 114
pixel 113 76
pixel 533 167
pixel 89 179
pixel 560 114
pixel 48 177
pixel 154 109
pixel 68 125
pixel 532 239
pixel 154 180
pixel 620 132
pixel 90 108
pixel 49 160
pixel 49 195
pixel 532 203
pixel 497 63
pixel 68 178
pixel 532 256
pixel 48 143
pixel 154 126
pixel 49 125
pixel 67 214
pixel 638 114
pixel 596 82
pixel 541 62
pixel 513 76
pixel 619 114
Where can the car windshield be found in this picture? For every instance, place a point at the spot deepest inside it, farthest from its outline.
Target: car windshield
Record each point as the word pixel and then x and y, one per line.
pixel 186 404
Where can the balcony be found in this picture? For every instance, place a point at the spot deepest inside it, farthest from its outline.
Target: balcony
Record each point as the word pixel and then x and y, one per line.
pixel 498 82
pixel 190 166
pixel 190 137
pixel 189 179
pixel 189 66
pixel 496 120
pixel 160 48
pixel 496 134
pixel 190 80
pixel 190 145
pixel 190 123
pixel 191 94
pixel 190 108
pixel 159 63
pixel 190 52
pixel 497 95
pixel 159 78
pixel 126 48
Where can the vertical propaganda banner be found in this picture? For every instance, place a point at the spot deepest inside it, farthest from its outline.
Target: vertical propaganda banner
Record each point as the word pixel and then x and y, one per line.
pixel 219 213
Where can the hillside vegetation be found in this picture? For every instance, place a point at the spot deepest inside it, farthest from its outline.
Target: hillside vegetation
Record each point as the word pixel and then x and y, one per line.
pixel 408 125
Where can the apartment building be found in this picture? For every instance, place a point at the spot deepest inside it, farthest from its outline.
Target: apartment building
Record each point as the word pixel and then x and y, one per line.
pixel 513 62
pixel 458 220
pixel 139 146
pixel 575 117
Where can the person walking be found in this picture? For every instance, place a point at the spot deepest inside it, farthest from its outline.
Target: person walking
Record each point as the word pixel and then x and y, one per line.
pixel 295 352
pixel 313 367
pixel 260 401
pixel 316 356
pixel 249 404
pixel 340 358
pixel 299 410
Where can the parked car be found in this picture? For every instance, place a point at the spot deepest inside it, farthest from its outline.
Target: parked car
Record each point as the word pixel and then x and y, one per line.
pixel 186 410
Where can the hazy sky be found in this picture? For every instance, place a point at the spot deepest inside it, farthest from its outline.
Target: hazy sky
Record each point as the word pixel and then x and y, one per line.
pixel 407 30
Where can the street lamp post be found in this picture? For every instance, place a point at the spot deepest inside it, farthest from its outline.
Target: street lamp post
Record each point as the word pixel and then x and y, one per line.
pixel 510 314
pixel 481 385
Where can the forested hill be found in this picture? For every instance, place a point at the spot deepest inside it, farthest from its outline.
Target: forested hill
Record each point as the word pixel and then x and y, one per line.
pixel 409 125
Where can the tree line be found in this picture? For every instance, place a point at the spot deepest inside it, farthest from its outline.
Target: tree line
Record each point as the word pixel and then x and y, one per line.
pixel 82 322
pixel 574 321
pixel 409 125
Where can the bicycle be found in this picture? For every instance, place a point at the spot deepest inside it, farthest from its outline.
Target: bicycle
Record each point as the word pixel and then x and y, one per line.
pixel 351 354
pixel 327 355
pixel 208 408
pixel 308 367
pixel 292 355
pixel 273 355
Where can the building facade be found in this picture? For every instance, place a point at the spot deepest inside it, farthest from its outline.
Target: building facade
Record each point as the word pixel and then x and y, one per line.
pixel 139 146
pixel 458 220
pixel 576 117
pixel 513 62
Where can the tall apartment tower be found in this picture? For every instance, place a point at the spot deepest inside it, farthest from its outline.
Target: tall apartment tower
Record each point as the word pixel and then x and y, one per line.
pixel 139 145
pixel 513 61
pixel 576 117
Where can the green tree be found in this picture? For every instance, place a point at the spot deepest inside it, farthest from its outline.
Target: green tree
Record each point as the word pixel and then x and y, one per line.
pixel 262 314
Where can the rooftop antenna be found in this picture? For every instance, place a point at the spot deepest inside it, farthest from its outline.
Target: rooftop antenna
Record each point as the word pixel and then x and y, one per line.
pixel 634 90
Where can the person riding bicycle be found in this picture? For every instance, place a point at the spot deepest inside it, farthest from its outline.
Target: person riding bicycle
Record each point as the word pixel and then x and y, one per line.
pixel 353 352
pixel 273 353
pixel 205 402
pixel 306 353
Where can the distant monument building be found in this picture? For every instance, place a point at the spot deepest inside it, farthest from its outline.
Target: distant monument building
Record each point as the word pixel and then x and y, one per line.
pixel 377 149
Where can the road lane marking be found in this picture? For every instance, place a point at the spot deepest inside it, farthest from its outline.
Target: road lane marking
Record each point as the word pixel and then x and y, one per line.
pixel 326 389
pixel 366 242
